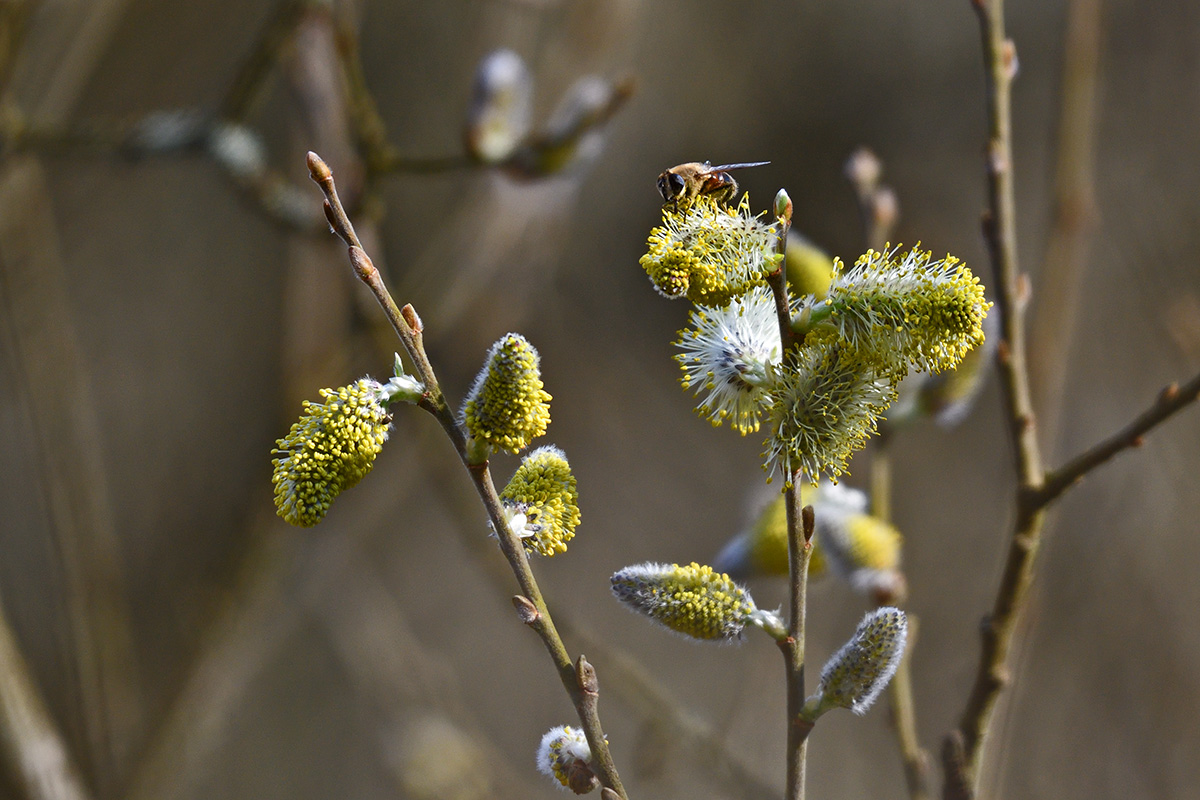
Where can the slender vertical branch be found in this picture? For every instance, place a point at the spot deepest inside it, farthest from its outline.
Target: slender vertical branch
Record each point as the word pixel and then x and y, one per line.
pixel 800 531
pixel 579 681
pixel 999 225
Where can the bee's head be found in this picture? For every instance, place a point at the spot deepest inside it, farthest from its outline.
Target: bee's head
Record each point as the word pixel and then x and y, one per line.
pixel 670 185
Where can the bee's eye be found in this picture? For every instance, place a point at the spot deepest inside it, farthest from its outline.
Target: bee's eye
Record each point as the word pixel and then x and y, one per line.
pixel 676 183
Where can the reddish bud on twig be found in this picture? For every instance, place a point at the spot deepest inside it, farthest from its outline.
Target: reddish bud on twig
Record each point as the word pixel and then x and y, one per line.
pixel 585 673
pixel 526 610
pixel 362 264
pixel 809 519
pixel 317 168
pixel 863 169
pixel 885 208
pixel 412 318
pixel 1024 290
pixel 1009 58
pixel 1169 393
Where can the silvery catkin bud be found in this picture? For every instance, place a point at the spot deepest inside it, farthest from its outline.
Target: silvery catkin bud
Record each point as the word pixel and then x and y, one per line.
pixel 857 673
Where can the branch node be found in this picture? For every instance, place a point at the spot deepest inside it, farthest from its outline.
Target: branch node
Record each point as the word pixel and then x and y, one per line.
pixel 1008 56
pixel 808 518
pixel 1169 393
pixel 363 266
pixel 526 611
pixel 412 318
pixel 585 673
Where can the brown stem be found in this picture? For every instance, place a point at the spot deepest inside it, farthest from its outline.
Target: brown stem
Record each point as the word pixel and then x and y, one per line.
pixel 408 327
pixel 800 530
pixel 1170 400
pixel 1000 231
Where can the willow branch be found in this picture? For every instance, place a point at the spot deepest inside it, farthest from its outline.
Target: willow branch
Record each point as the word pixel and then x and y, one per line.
pixel 1034 491
pixel 578 679
pixel 800 530
pixel 999 225
pixel 624 675
pixel 1171 400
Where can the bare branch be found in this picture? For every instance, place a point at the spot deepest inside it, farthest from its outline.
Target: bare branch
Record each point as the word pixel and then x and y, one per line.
pixel 1170 400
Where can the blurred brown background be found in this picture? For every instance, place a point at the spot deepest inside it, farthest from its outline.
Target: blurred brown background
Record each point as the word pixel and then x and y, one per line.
pixel 160 331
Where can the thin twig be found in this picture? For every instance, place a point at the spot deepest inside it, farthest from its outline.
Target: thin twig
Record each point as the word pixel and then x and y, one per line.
pixel 252 77
pixel 1170 400
pixel 535 613
pixel 625 677
pixel 1034 490
pixel 999 226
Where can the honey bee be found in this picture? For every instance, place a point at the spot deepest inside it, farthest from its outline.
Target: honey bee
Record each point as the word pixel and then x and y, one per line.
pixel 689 181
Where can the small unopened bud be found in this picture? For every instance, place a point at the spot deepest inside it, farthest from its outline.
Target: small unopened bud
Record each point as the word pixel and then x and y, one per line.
pixel 498 119
pixel 166 132
pixel 542 501
pixel 885 208
pixel 863 169
pixel 239 150
pixel 564 755
pixel 783 207
pixel 507 406
pixel 857 673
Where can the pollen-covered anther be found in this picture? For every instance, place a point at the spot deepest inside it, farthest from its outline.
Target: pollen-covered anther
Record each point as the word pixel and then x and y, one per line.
pixel 728 357
pixel 909 310
pixel 507 406
pixel 708 252
pixel 564 755
pixel 857 672
pixel 330 449
pixel 694 600
pixel 542 501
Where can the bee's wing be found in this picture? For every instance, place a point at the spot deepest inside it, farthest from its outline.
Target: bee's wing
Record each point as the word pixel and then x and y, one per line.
pixel 742 165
